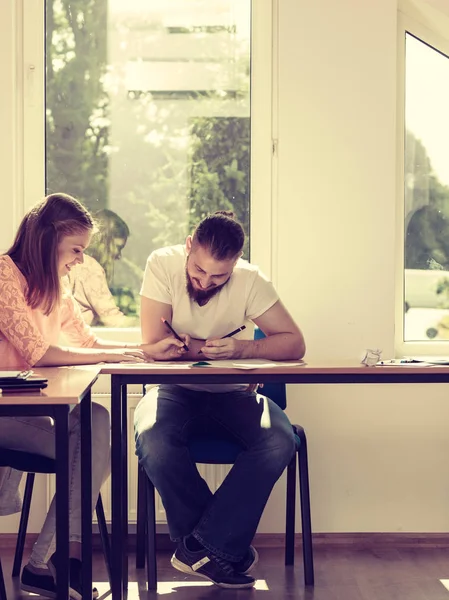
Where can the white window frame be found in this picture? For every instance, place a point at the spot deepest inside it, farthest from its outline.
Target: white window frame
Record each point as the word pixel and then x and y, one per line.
pixel 428 26
pixel 22 149
pixel 10 120
pixel 263 126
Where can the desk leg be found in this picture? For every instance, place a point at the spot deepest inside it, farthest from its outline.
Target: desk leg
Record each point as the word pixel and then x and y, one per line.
pixel 86 494
pixel 2 584
pixel 125 489
pixel 61 414
pixel 117 487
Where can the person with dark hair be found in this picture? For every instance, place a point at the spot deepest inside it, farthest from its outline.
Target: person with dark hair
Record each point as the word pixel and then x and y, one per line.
pixel 206 290
pixel 91 281
pixel 35 309
pixel 109 241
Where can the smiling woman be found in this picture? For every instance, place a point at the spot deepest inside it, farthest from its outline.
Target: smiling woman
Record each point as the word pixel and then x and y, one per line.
pixel 35 306
pixel 70 251
pixel 44 247
pixel 35 309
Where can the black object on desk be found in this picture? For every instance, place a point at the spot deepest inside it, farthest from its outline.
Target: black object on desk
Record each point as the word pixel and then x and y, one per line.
pixel 22 384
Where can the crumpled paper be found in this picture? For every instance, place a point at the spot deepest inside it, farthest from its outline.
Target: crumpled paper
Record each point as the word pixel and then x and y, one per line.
pixel 371 358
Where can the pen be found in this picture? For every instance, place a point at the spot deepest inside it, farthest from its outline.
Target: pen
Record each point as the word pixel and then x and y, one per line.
pixel 234 332
pixel 230 334
pixel 174 333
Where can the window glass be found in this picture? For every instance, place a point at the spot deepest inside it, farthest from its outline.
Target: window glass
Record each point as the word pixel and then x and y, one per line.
pixel 426 192
pixel 148 124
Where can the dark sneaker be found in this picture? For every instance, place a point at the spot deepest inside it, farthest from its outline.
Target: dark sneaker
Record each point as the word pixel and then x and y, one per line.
pixel 75 588
pixel 205 564
pixel 248 562
pixel 44 584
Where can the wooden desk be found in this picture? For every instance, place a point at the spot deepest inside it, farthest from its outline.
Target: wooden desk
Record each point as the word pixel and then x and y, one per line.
pixel 66 387
pixel 123 375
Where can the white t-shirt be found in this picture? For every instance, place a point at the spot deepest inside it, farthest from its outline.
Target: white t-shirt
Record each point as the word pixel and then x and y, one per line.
pixel 247 295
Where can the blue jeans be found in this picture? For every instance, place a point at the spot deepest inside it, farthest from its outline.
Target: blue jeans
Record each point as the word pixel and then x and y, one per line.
pixel 224 522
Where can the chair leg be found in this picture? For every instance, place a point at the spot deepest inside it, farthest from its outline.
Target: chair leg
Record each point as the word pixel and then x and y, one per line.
pixel 151 536
pixel 141 518
pixel 104 535
pixel 290 513
pixel 2 584
pixel 23 525
pixel 306 521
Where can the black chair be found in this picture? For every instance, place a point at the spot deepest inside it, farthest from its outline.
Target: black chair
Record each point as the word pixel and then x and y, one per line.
pixel 208 450
pixel 32 464
pixel 2 584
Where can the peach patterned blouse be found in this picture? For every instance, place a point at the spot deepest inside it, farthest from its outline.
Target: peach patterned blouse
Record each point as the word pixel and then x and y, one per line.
pixel 26 333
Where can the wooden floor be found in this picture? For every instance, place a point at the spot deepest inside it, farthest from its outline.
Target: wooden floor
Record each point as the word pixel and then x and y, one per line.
pixel 340 574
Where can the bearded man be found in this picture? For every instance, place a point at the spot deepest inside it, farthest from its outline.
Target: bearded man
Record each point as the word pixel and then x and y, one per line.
pixel 206 291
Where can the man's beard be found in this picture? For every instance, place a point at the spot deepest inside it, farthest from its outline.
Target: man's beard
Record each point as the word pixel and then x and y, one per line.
pixel 202 297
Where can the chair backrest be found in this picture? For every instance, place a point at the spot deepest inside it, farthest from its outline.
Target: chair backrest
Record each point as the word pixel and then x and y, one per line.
pixel 2 584
pixel 26 461
pixel 274 391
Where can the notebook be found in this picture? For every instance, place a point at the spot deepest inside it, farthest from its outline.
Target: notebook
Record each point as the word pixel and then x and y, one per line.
pixel 21 381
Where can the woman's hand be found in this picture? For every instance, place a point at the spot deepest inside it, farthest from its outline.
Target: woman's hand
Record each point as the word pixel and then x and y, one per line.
pixel 116 355
pixel 166 349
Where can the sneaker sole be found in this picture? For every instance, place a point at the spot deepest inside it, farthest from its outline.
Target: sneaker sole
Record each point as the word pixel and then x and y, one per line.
pixel 180 566
pixel 253 564
pixel 35 590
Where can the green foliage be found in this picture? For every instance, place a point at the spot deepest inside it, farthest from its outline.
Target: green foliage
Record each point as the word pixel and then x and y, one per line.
pixel 427 241
pixel 126 301
pixel 220 169
pixel 77 121
pixel 427 235
pixel 427 199
pixel 160 196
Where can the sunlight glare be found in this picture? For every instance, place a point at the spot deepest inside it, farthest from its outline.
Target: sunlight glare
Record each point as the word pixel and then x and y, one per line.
pixel 445 583
pixel 167 587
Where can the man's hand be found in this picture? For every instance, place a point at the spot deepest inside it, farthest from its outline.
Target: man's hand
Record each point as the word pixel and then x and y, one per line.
pixel 221 349
pixel 167 348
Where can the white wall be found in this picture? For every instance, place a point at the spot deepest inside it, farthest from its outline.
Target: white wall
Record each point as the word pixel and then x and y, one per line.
pixel 378 454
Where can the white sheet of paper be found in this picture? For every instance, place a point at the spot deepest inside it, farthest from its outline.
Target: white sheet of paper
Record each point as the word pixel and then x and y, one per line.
pixel 9 373
pixel 405 365
pixel 251 363
pixel 159 365
pixel 432 360
pixel 415 361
